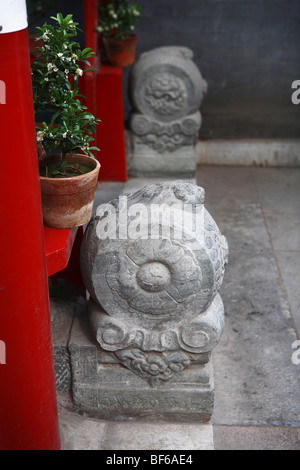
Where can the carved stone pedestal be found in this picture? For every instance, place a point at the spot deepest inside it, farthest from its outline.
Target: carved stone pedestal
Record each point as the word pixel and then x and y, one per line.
pixel 166 90
pixel 153 262
pixel 105 389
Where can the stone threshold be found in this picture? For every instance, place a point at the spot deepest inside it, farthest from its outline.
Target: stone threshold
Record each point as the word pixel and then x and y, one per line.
pixel 257 152
pixel 83 433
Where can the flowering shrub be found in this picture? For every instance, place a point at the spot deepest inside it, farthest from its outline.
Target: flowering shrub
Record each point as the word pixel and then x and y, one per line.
pixel 117 18
pixel 55 88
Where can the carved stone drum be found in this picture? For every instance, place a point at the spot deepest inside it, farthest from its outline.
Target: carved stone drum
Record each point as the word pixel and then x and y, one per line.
pixel 153 262
pixel 166 90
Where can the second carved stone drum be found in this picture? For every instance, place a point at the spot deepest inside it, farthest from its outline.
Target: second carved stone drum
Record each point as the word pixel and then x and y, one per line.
pixel 153 262
pixel 166 90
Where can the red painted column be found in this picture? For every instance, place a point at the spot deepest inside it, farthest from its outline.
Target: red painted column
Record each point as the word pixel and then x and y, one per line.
pixel 28 408
pixel 104 99
pixel 111 136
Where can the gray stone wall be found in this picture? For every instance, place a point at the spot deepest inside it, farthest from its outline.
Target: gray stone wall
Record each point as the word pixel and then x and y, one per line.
pixel 248 51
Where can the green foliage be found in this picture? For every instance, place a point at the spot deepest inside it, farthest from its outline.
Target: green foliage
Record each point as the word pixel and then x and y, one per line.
pixel 117 18
pixel 55 88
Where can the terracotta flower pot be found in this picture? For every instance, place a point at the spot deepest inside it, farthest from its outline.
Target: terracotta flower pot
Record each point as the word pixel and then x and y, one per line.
pixel 120 53
pixel 68 202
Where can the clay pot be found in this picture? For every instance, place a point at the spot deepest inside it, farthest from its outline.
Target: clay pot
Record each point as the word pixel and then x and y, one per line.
pixel 120 53
pixel 68 202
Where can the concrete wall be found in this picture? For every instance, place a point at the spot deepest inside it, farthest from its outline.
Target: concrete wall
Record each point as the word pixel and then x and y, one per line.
pixel 247 50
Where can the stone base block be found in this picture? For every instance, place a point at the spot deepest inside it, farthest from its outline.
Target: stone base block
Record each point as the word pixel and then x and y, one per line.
pixel 121 400
pixel 104 389
pixel 145 161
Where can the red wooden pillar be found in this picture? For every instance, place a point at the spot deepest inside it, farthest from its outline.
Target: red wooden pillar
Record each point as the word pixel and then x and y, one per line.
pixel 103 91
pixel 28 409
pixel 111 134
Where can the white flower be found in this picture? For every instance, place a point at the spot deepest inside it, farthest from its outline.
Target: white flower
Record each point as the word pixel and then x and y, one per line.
pixel 65 134
pixel 60 54
pixel 79 72
pixel 51 66
pixel 65 46
pixel 67 71
pixel 45 36
pixel 74 56
pixel 46 79
pixel 40 136
pixel 47 46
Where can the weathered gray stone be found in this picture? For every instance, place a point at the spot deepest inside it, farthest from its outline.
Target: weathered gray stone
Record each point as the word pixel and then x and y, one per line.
pixel 63 309
pixel 154 306
pixel 104 389
pixel 166 90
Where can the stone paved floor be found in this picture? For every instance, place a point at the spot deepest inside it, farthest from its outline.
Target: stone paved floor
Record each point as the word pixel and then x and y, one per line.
pixel 257 386
pixel 257 404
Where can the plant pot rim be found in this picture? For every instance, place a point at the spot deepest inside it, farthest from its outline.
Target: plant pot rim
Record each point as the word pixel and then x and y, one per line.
pixel 129 37
pixel 69 158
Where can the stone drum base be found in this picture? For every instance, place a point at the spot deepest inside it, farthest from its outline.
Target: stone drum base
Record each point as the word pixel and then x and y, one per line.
pixel 180 163
pixel 104 389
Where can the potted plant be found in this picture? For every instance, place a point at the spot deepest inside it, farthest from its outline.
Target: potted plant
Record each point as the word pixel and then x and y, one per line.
pixel 68 179
pixel 117 19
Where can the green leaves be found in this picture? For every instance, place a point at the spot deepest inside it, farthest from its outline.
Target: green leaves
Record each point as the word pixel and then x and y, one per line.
pixel 61 169
pixel 55 77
